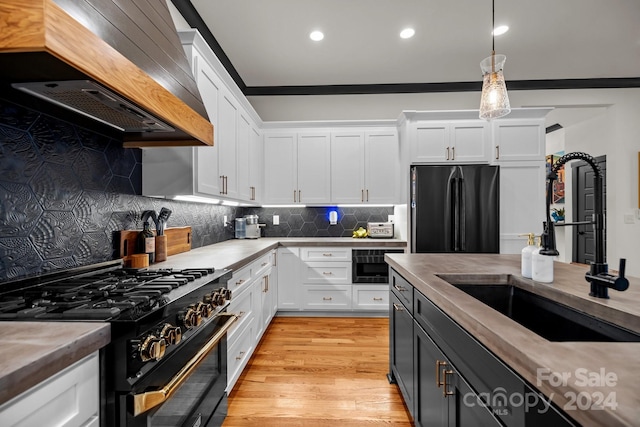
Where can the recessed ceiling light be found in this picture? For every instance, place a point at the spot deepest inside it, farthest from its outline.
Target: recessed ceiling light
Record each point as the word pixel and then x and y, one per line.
pixel 500 30
pixel 407 33
pixel 316 36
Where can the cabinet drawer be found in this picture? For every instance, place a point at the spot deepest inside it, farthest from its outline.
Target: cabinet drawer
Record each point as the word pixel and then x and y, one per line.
pixel 326 254
pixel 327 272
pixel 402 289
pixel 370 297
pixel 239 353
pixel 261 265
pixel 68 398
pixel 327 297
pixel 239 281
pixel 242 306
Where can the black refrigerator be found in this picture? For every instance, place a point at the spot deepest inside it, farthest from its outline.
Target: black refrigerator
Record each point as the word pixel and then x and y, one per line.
pixel 455 209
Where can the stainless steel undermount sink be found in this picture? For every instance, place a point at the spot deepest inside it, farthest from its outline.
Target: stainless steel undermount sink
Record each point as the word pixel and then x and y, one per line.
pixel 549 319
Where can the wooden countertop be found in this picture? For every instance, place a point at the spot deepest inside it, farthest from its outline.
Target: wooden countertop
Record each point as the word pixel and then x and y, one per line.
pixel 526 352
pixel 34 351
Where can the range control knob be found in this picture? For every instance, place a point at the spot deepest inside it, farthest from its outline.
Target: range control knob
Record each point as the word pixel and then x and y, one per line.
pixel 204 309
pixel 171 334
pixel 226 293
pixel 189 318
pixel 152 348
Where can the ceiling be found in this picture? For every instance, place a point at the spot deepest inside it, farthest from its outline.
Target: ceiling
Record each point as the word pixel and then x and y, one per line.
pixel 550 44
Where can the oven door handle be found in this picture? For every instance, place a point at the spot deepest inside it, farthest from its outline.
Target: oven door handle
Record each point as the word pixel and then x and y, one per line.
pixel 142 402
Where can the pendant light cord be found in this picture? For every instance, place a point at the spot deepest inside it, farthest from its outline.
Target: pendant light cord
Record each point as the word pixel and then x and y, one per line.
pixel 493 37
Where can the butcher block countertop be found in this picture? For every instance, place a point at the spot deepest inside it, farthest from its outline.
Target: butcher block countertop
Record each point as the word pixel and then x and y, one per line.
pixel 613 367
pixel 34 351
pixel 31 352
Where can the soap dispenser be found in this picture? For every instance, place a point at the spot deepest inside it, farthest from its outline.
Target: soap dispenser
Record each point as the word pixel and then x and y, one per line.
pixel 541 265
pixel 527 253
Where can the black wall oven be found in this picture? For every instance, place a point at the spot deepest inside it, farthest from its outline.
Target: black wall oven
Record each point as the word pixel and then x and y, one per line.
pixel 368 265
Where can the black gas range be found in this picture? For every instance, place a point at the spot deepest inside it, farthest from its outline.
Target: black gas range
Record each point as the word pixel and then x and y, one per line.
pixel 166 363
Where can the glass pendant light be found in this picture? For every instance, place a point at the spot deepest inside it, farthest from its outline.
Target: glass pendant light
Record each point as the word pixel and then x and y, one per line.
pixel 494 102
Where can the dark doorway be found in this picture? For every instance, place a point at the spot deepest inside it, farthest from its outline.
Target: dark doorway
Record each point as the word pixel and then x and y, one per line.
pixel 583 209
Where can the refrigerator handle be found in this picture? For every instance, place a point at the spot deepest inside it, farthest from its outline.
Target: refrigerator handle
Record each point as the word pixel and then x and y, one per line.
pixel 462 214
pixel 455 201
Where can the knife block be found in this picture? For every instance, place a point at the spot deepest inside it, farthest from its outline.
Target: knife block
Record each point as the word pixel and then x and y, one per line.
pixel 161 248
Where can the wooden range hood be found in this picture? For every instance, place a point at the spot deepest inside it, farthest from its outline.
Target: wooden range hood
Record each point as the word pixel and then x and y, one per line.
pixel 40 41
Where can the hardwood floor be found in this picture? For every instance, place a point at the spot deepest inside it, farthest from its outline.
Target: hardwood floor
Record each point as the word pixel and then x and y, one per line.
pixel 319 372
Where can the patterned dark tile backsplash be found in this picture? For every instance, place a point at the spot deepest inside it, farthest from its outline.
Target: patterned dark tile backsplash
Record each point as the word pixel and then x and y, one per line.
pixel 65 191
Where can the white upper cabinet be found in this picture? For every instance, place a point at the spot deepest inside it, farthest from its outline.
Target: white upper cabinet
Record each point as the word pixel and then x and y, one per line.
pixel 347 163
pixel 297 166
pixel 518 139
pixel 462 141
pixel 226 170
pixel 364 166
pixel 256 164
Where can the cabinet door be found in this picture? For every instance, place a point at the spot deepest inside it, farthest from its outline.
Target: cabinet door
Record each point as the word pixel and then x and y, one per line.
pixel 381 166
pixel 522 201
pixel 314 166
pixel 469 141
pixel 280 168
pixel 207 174
pixel 401 350
pixel 242 151
pixel 465 407
pixel 519 140
pixel 255 164
pixel 289 283
pixel 431 403
pixel 227 139
pixel 347 167
pixel 430 142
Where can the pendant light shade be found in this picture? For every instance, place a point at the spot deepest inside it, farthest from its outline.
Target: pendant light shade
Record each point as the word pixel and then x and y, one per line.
pixel 494 102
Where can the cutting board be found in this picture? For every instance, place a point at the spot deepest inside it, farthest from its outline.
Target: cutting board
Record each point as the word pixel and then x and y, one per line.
pixel 178 241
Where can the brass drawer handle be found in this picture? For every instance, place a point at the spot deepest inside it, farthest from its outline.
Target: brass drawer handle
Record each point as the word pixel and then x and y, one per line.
pixel 327 273
pixel 497 152
pixel 378 299
pixel 399 288
pixel 326 299
pixel 240 282
pixel 240 355
pixel 327 254
pixel 398 307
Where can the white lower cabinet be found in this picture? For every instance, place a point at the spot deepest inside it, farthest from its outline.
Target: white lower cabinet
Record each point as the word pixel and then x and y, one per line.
pixel 326 297
pixel 320 279
pixel 371 296
pixel 70 398
pixel 253 300
pixel 239 351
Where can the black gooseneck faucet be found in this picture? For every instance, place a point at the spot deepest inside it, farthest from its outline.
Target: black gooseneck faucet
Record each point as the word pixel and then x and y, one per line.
pixel 598 275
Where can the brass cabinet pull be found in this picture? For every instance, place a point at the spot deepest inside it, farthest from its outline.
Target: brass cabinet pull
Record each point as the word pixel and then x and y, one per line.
pixel 239 356
pixel 327 273
pixel 239 282
pixel 367 194
pixel 242 313
pixel 398 307
pixel 399 288
pixel 299 196
pixel 378 299
pixel 142 402
pixel 447 153
pixel 327 254
pixel 453 153
pixel 326 299
pixel 264 263
pixel 294 196
pixel 440 364
pixel 497 152
pixel 362 195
